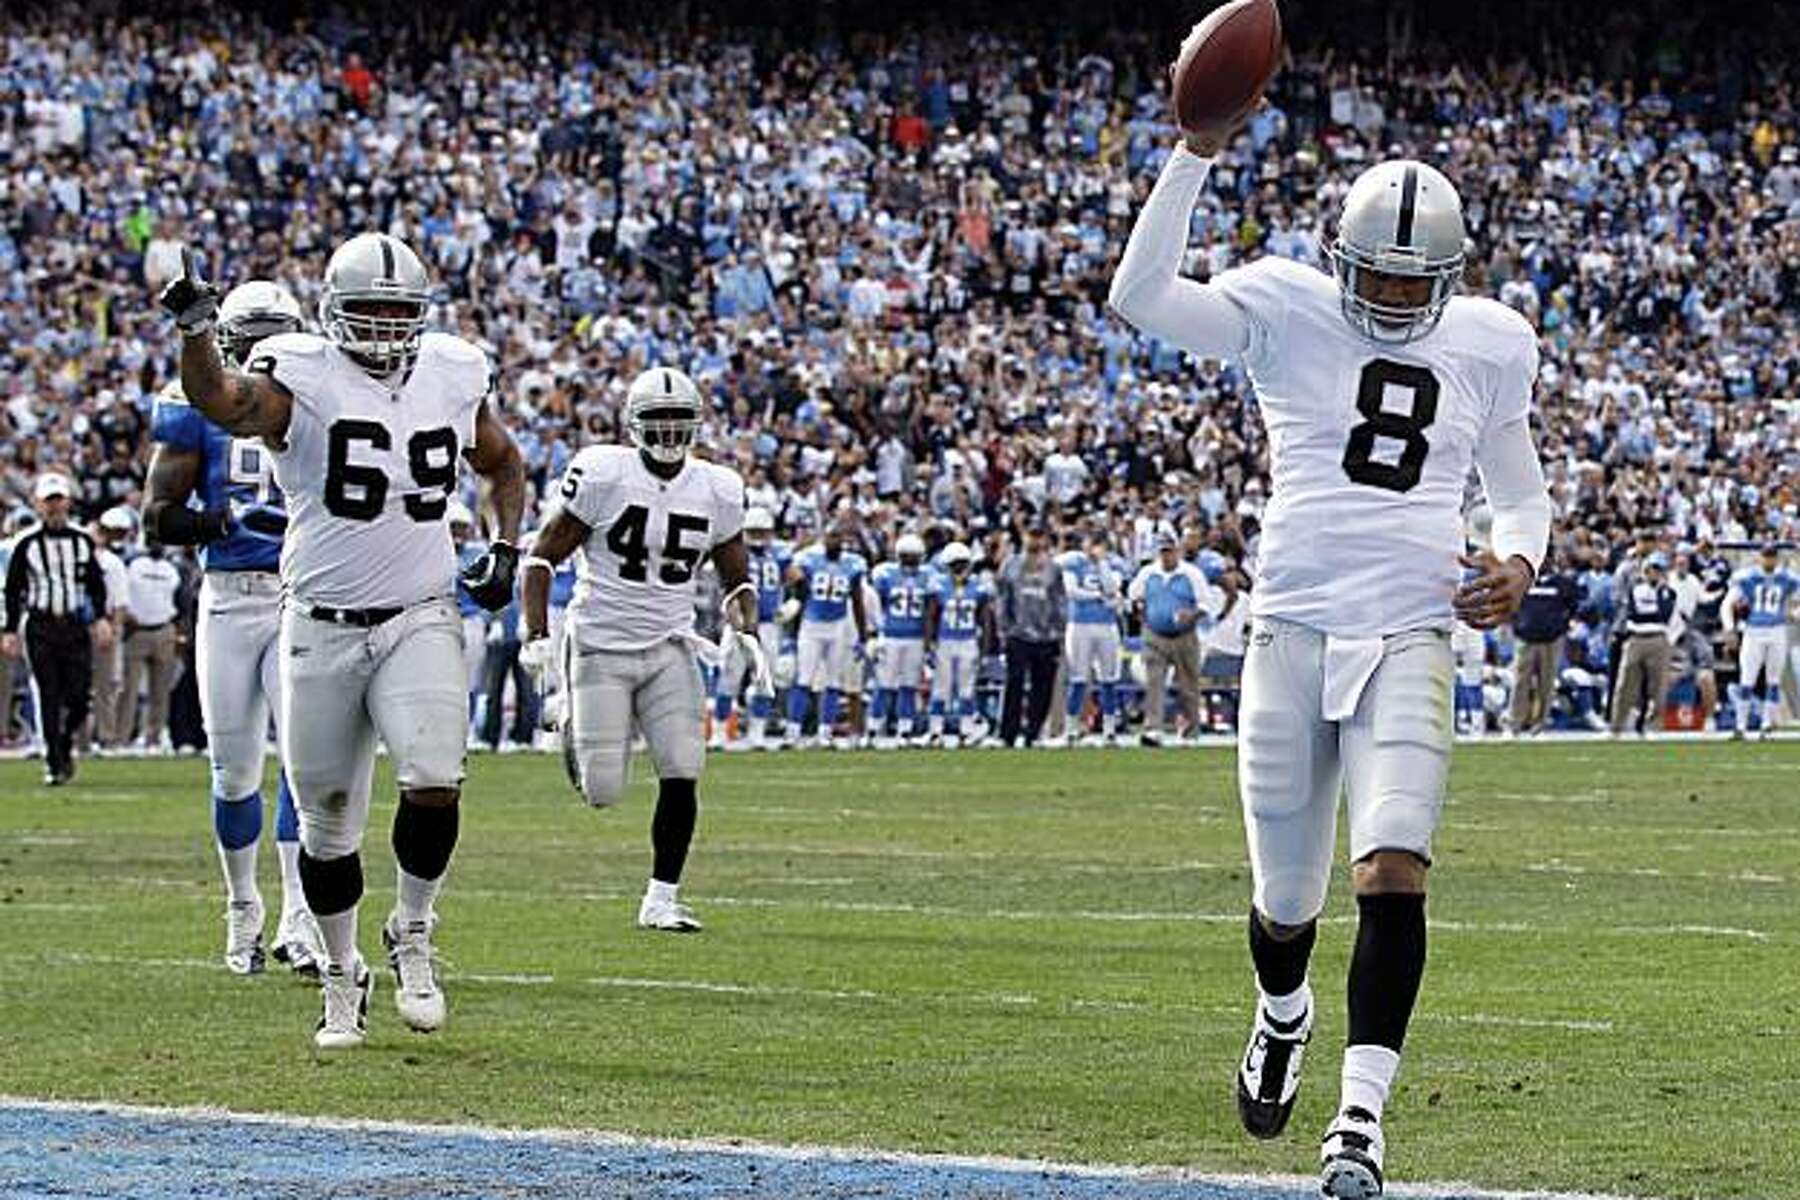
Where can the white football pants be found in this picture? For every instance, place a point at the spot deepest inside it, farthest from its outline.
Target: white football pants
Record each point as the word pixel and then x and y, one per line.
pixel 342 688
pixel 236 658
pixel 1092 653
pixel 1390 755
pixel 658 690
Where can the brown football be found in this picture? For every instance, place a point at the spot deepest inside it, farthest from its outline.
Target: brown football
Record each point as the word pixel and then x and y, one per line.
pixel 1225 64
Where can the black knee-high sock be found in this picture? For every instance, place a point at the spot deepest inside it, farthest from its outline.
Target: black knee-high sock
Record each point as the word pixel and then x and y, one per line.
pixel 672 828
pixel 1280 966
pixel 1386 968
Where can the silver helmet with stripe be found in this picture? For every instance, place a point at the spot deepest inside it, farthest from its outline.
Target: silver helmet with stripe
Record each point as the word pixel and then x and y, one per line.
pixel 663 411
pixel 252 311
pixel 1399 250
pixel 374 302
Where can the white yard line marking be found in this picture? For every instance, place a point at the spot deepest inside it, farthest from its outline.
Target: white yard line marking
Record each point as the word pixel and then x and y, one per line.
pixel 1555 867
pixel 1102 916
pixel 741 1148
pixel 774 991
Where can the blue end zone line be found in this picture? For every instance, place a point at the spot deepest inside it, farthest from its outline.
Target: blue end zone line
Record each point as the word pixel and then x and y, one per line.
pixel 106 1150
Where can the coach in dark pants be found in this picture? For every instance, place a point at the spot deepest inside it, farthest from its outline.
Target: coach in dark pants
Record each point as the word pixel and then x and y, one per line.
pixel 1033 613
pixel 56 591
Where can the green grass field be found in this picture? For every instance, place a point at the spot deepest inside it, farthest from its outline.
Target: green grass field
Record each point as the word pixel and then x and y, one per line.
pixel 1023 954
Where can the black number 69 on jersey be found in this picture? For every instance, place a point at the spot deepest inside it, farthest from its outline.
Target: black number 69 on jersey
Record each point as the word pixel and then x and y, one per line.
pixel 358 493
pixel 1407 427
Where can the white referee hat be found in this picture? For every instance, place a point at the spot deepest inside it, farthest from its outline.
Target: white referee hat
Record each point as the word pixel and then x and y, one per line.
pixel 51 484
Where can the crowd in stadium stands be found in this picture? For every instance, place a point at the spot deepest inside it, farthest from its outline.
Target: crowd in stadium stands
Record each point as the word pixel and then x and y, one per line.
pixel 886 258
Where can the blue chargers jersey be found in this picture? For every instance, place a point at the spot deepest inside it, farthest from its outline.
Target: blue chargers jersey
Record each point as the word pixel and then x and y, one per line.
pixel 903 592
pixel 1085 580
pixel 768 571
pixel 235 473
pixel 959 606
pixel 829 583
pixel 1769 595
pixel 562 583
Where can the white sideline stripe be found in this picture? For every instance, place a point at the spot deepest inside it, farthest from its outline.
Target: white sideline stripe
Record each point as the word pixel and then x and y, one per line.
pixel 741 1148
pixel 720 987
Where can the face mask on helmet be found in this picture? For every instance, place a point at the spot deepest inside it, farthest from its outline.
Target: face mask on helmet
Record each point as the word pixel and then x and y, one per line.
pixel 1392 301
pixel 665 434
pixel 382 333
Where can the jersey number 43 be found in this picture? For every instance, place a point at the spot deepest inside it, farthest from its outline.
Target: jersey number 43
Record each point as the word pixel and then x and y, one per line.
pixel 1406 427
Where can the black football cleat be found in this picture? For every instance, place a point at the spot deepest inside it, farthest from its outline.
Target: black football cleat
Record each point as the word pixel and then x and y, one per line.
pixel 1268 1079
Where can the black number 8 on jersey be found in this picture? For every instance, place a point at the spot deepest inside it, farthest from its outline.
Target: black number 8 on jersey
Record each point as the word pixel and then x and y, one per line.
pixel 1408 427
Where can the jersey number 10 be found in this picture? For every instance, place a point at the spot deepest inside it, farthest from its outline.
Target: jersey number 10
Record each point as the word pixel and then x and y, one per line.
pixel 1407 427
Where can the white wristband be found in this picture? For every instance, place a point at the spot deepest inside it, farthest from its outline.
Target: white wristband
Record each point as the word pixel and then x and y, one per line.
pixel 734 593
pixel 531 560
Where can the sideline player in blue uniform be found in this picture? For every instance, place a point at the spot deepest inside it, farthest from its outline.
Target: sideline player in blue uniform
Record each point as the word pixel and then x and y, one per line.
pixel 964 602
pixel 209 489
pixel 833 629
pixel 906 588
pixel 1763 595
pixel 1095 584
pixel 769 561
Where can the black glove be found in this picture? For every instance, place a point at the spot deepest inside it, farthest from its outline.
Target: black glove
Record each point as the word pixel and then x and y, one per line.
pixel 193 302
pixel 268 522
pixel 489 579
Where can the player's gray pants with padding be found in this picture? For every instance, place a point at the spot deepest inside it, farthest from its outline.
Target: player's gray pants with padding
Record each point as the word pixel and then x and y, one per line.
pixel 237 661
pixel 342 687
pixel 1390 755
pixel 658 690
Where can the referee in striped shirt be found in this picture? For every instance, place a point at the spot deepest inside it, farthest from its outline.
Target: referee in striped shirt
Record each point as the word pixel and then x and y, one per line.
pixel 55 589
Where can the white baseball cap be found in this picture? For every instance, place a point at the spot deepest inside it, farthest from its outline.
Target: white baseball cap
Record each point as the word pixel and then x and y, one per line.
pixel 51 484
pixel 118 518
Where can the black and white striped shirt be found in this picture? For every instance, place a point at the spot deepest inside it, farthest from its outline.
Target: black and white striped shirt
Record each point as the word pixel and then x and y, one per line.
pixel 54 573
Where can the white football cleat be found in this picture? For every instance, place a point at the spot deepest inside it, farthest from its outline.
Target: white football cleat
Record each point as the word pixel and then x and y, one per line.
pixel 345 1022
pixel 244 937
pixel 410 954
pixel 298 943
pixel 670 916
pixel 1268 1078
pixel 1350 1158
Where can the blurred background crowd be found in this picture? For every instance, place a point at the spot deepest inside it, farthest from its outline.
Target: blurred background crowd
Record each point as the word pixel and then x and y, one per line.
pixel 883 251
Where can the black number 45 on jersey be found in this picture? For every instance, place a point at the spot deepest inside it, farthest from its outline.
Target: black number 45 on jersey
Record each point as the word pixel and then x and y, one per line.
pixel 1406 427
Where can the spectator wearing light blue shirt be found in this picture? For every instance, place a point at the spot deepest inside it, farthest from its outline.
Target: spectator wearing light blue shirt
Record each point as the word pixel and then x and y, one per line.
pixel 1178 604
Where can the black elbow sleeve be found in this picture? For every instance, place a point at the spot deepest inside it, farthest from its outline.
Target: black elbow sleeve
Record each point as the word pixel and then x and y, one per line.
pixel 179 525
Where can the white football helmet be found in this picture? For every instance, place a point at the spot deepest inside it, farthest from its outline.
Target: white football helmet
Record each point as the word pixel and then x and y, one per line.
pixel 909 548
pixel 252 311
pixel 662 414
pixel 957 557
pixel 759 525
pixel 374 270
pixel 1400 218
pixel 460 518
